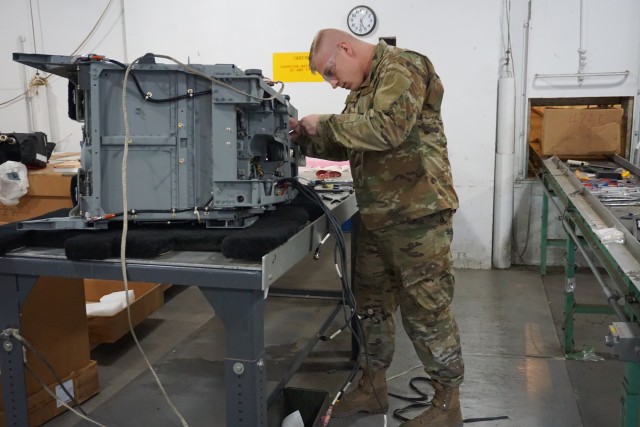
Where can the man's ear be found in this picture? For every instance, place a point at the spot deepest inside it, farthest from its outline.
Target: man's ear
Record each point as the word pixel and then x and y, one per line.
pixel 346 46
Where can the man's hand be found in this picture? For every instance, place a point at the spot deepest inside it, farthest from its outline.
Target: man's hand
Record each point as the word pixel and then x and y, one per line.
pixel 295 129
pixel 306 126
pixel 309 124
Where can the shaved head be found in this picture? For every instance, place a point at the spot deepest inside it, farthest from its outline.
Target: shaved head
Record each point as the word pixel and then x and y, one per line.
pixel 342 59
pixel 327 38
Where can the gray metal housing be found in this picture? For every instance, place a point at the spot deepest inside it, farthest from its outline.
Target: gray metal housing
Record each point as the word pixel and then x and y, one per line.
pixel 211 154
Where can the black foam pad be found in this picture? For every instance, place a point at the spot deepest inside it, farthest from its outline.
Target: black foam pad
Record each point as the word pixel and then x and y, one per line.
pixel 148 240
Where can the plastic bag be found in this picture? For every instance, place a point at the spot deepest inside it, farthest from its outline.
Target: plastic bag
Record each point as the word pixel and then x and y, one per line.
pixel 609 235
pixel 14 182
pixel 587 354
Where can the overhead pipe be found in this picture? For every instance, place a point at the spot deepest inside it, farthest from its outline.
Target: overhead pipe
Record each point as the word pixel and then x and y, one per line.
pixel 582 75
pixel 582 51
pixel 27 90
pixel 523 153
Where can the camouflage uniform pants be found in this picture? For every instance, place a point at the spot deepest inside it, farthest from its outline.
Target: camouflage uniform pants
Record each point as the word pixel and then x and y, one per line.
pixel 409 265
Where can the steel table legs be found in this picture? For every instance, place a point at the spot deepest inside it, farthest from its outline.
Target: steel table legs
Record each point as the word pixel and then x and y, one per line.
pixel 242 313
pixel 13 291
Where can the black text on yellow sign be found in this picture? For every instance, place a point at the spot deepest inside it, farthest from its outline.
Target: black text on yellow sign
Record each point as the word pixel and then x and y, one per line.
pixel 293 67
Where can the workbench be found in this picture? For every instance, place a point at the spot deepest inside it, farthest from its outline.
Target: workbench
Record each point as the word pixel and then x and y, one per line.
pixel 237 290
pixel 584 217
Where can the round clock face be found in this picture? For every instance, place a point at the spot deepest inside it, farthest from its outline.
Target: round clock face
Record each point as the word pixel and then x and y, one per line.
pixel 361 20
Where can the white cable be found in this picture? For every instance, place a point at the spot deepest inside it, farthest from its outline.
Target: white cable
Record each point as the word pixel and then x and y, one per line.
pixel 104 12
pixel 14 99
pixel 221 83
pixel 16 334
pixel 72 53
pixel 123 243
pixel 338 271
pixel 404 373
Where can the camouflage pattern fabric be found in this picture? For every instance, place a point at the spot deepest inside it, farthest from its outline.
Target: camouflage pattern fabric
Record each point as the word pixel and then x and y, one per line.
pixel 409 266
pixel 391 131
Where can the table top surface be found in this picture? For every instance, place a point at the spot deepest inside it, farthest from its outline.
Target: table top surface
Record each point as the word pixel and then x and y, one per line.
pixel 181 267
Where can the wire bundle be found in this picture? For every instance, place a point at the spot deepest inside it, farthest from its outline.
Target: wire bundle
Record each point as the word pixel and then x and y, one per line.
pixel 351 319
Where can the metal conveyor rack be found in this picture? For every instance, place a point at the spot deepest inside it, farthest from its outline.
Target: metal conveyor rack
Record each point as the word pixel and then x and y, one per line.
pixel 583 217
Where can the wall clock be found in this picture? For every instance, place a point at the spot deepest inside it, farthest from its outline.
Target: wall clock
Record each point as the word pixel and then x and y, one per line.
pixel 361 20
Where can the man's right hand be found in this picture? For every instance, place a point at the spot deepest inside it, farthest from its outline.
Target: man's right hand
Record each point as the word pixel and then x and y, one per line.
pixel 295 131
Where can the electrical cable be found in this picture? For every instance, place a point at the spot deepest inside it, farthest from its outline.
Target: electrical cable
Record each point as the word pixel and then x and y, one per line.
pixel 43 359
pixel 15 98
pixel 335 228
pixel 508 49
pixel 422 401
pixel 221 83
pixel 123 243
pixel 52 394
pixel 33 27
pixel 104 12
pixel 148 96
pixel 79 411
pixel 98 22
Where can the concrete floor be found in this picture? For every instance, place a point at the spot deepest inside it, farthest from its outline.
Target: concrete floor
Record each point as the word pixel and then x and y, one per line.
pixel 510 322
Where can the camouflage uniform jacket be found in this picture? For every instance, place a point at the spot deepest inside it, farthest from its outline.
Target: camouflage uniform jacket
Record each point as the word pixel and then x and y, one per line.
pixel 391 132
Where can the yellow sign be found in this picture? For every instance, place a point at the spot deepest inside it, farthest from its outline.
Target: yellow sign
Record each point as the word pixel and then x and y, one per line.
pixel 293 67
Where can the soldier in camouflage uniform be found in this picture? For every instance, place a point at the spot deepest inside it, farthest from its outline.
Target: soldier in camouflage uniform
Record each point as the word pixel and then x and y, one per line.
pixel 391 132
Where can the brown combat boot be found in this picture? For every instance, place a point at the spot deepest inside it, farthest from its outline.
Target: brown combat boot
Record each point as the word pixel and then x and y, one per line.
pixel 363 398
pixel 443 412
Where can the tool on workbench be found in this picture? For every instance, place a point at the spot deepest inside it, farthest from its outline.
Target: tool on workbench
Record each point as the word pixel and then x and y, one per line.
pixel 598 174
pixel 331 185
pixel 316 182
pixel 581 163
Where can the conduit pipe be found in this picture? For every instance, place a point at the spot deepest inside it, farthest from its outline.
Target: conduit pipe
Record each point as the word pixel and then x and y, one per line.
pixel 582 50
pixel 25 85
pixel 523 154
pixel 504 176
pixel 582 75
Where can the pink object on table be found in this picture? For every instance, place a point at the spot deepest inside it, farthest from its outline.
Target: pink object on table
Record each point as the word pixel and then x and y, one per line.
pixel 313 162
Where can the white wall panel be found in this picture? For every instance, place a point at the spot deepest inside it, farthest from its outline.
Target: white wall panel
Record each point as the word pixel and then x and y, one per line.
pixel 59 26
pixel 471 248
pixel 461 38
pixel 609 38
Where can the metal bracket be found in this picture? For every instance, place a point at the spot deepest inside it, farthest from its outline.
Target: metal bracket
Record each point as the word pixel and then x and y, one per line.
pixel 624 340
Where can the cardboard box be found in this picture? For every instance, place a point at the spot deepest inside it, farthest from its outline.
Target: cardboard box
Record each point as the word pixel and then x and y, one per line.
pixel 43 407
pixel 581 131
pixel 108 329
pixel 48 191
pixel 54 321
